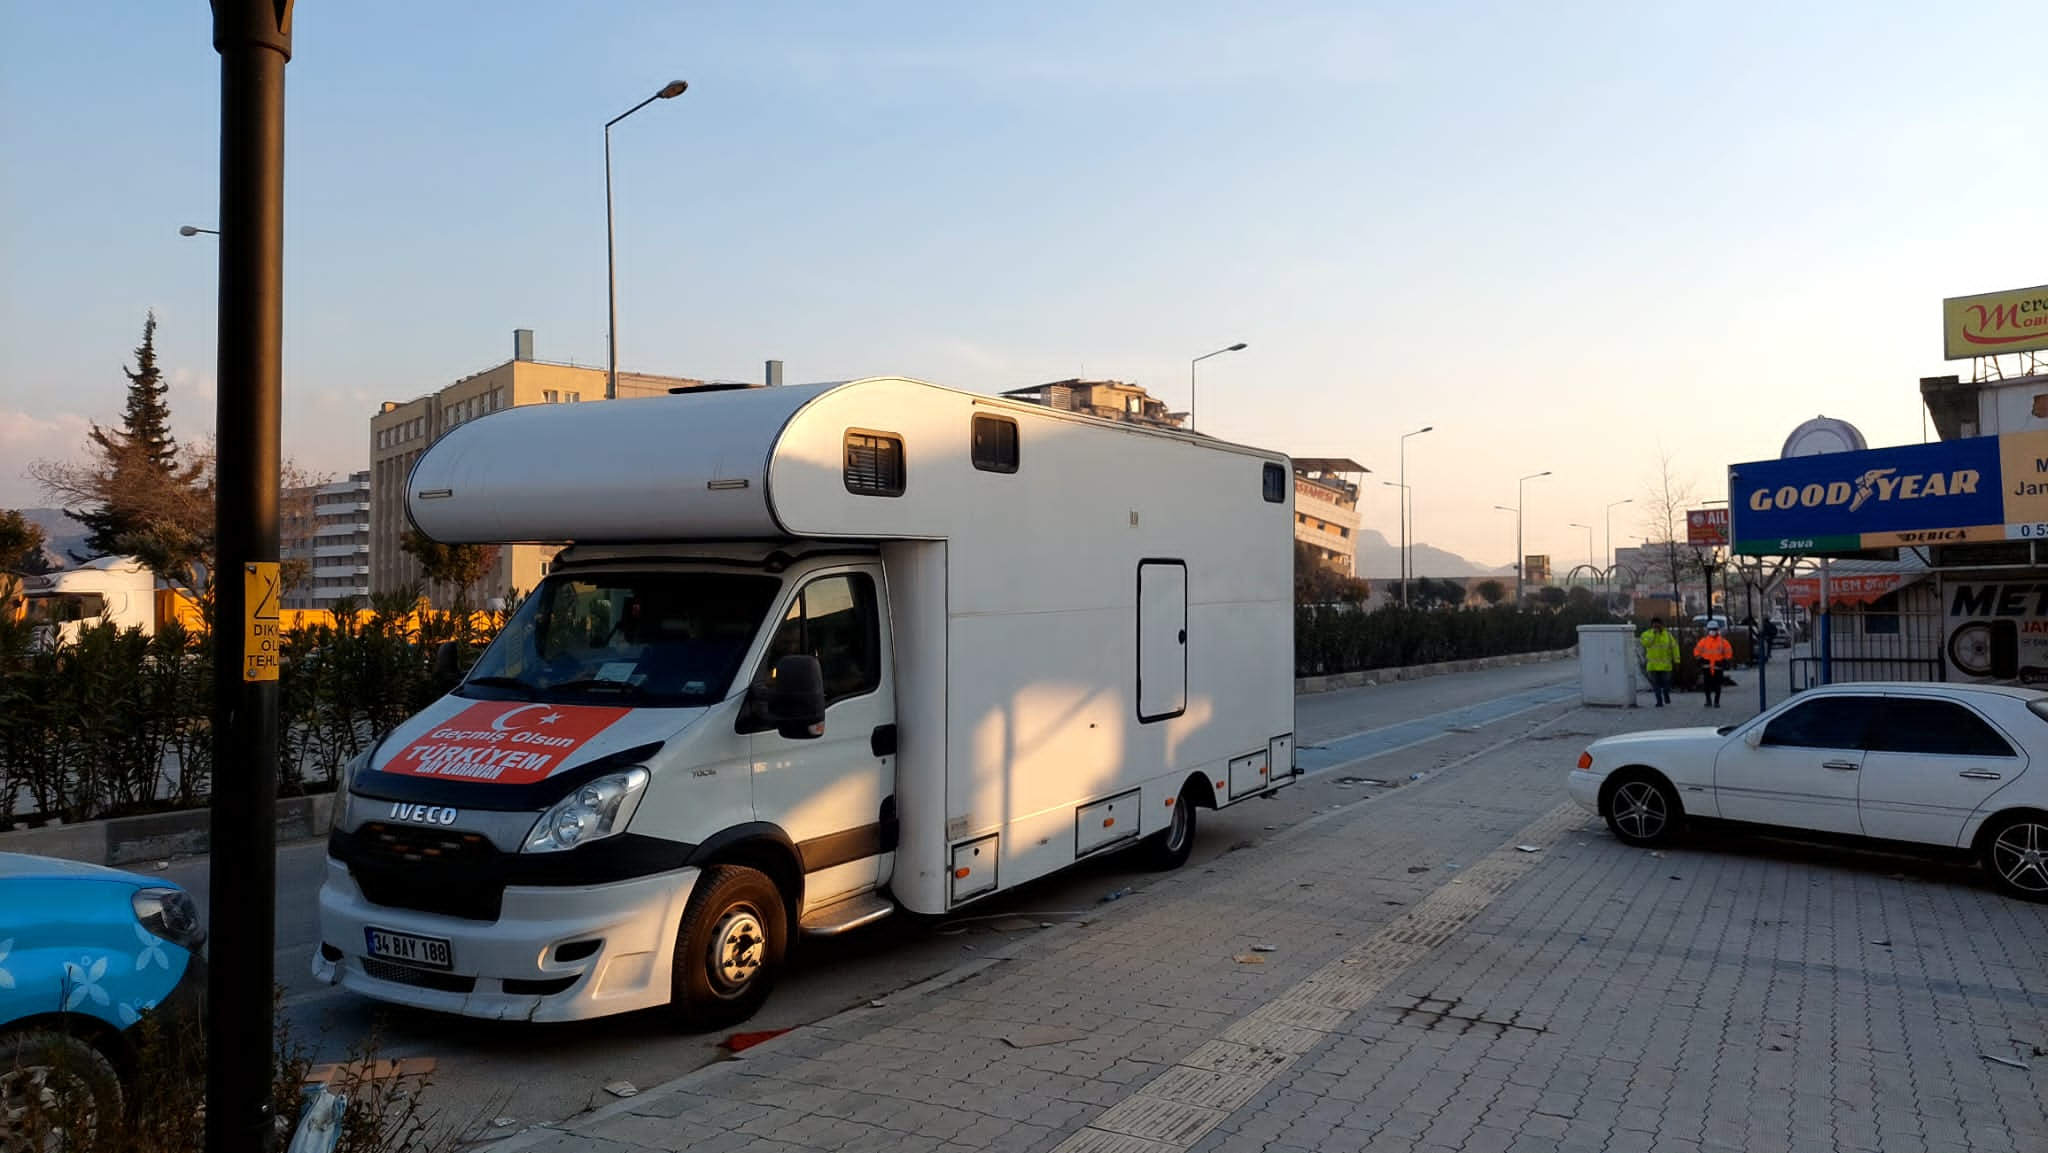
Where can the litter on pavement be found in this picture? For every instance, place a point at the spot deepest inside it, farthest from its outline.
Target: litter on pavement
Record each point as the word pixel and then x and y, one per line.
pixel 622 1089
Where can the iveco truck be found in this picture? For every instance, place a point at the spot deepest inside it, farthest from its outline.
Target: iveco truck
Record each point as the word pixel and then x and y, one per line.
pixel 813 654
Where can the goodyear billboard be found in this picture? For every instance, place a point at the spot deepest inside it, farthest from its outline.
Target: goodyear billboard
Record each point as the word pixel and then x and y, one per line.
pixel 1978 489
pixel 1995 322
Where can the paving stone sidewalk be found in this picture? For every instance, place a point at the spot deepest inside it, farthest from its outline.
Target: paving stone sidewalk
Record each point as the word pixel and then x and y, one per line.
pixel 1432 986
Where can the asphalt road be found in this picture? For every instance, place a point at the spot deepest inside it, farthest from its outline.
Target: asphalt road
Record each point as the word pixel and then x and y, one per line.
pixel 488 1071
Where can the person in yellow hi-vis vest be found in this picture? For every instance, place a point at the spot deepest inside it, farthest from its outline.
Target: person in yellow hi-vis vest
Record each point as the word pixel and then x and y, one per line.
pixel 1660 656
pixel 1714 654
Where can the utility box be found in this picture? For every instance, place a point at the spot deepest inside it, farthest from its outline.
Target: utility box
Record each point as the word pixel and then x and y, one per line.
pixel 1607 665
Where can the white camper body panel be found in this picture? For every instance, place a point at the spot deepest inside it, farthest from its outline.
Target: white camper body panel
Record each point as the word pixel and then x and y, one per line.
pixel 1014 597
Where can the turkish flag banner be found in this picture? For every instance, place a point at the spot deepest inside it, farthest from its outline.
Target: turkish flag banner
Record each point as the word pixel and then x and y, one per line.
pixel 503 742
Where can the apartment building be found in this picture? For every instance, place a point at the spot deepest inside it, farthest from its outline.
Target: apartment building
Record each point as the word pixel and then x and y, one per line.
pixel 1108 399
pixel 327 526
pixel 401 431
pixel 1326 509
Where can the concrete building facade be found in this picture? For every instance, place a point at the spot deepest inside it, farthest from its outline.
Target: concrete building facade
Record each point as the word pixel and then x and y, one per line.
pixel 328 527
pixel 1108 399
pixel 401 431
pixel 1326 509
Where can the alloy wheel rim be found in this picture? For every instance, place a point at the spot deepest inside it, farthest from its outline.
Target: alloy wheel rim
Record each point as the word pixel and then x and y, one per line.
pixel 2020 854
pixel 736 949
pixel 1177 828
pixel 1639 809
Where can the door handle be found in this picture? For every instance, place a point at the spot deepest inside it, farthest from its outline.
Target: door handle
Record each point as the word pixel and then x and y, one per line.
pixel 1843 766
pixel 1978 775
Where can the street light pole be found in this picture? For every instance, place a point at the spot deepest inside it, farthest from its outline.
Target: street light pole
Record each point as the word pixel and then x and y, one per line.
pixel 1407 513
pixel 1240 346
pixel 1402 561
pixel 669 91
pixel 1589 540
pixel 1612 505
pixel 1521 566
pixel 254 40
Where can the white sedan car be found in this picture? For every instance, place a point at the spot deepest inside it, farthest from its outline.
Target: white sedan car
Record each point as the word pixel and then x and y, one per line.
pixel 1929 765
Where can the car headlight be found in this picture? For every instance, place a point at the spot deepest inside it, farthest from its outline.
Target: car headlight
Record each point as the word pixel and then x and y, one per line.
pixel 596 810
pixel 170 914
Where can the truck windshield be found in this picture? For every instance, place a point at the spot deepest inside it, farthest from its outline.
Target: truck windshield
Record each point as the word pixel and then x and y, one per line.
pixel 670 639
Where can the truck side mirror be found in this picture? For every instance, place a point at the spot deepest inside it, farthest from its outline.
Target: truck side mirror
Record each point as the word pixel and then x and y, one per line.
pixel 792 700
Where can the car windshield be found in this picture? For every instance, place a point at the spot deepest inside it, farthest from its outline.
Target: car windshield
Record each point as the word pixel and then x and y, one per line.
pixel 664 639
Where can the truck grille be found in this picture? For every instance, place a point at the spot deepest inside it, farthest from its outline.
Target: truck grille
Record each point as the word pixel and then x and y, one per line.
pixel 444 871
pixel 419 978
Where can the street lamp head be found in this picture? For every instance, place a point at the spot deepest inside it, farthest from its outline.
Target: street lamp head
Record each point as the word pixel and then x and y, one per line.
pixel 194 230
pixel 1238 347
pixel 673 89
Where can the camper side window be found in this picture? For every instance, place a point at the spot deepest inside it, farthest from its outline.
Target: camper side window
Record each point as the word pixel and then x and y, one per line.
pixel 874 464
pixel 834 619
pixel 995 444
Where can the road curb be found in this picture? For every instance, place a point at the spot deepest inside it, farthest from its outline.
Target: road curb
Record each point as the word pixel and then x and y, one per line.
pixel 1304 686
pixel 158 836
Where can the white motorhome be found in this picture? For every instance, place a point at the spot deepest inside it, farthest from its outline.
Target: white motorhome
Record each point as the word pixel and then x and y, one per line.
pixel 816 653
pixel 119 590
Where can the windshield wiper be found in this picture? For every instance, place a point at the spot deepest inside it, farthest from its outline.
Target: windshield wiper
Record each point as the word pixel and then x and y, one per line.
pixel 501 683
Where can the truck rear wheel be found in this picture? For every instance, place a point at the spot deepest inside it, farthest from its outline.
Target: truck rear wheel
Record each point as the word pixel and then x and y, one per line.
pixel 728 949
pixel 1169 848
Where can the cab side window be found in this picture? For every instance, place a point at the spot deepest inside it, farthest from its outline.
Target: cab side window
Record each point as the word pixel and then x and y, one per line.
pixel 1826 723
pixel 1935 728
pixel 834 620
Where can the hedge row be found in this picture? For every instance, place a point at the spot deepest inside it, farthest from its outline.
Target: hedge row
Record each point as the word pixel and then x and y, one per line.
pixel 119 723
pixel 1328 640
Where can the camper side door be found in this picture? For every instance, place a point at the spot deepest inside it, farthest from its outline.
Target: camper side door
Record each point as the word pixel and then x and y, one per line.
pixel 827 792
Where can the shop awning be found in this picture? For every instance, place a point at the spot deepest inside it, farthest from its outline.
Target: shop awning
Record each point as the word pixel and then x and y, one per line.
pixel 1849 588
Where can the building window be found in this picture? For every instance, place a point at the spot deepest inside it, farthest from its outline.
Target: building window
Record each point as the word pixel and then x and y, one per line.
pixel 572 397
pixel 551 396
pixel 995 444
pixel 1881 618
pixel 874 463
pixel 1276 485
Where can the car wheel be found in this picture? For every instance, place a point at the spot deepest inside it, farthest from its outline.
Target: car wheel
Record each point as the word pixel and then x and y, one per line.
pixel 54 1089
pixel 728 949
pixel 1643 810
pixel 1169 848
pixel 2016 853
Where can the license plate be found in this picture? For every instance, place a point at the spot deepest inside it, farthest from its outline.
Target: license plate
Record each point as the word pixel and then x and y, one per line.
pixel 430 952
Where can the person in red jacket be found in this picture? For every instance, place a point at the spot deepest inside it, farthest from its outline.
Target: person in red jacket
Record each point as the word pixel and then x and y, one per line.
pixel 1714 654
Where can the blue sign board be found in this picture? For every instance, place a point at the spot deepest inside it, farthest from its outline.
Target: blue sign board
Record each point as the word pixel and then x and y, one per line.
pixel 1938 493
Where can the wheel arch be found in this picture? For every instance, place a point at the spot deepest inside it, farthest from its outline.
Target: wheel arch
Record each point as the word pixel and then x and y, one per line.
pixel 1627 773
pixel 1200 790
pixel 1994 821
pixel 765 848
pixel 109 1041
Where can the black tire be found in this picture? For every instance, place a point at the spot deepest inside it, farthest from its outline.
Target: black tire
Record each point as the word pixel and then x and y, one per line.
pixel 50 1085
pixel 1169 848
pixel 1643 810
pixel 728 949
pixel 2014 850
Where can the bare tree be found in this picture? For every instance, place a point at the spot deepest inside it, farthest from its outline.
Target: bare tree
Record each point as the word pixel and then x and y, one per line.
pixel 1667 494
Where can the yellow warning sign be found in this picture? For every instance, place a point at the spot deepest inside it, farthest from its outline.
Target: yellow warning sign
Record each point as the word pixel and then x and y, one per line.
pixel 263 637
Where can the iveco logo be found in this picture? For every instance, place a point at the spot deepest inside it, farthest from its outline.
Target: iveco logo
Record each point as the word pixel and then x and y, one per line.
pixel 424 814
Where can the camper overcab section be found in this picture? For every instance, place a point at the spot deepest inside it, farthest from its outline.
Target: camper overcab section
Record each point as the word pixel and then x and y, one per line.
pixel 814 653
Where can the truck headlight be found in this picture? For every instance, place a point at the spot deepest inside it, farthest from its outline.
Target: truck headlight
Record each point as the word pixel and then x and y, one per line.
pixel 170 914
pixel 596 810
pixel 337 817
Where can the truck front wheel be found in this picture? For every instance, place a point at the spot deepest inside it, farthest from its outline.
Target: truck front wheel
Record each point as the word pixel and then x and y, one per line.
pixel 728 949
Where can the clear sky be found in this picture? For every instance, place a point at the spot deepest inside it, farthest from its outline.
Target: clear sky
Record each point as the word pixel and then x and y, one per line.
pixel 1562 233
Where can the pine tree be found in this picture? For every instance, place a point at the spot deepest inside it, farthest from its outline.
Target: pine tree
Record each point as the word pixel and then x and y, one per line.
pixel 138 461
pixel 146 422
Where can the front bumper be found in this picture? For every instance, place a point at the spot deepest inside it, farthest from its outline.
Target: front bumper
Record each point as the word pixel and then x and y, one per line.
pixel 1584 787
pixel 506 969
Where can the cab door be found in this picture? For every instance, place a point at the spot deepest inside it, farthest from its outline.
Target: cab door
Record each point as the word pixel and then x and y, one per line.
pixel 1803 773
pixel 830 793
